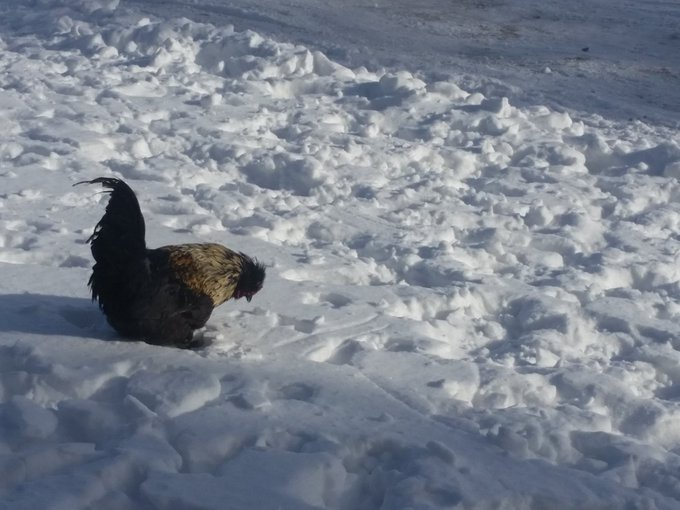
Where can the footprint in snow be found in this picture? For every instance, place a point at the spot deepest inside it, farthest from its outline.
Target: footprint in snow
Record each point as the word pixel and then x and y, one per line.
pixel 296 391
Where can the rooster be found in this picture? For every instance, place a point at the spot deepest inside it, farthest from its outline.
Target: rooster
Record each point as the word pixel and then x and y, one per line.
pixel 160 295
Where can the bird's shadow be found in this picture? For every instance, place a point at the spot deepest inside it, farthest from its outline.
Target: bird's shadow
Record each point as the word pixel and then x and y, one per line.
pixel 42 314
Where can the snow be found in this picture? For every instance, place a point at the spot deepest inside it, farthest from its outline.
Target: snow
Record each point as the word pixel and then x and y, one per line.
pixel 615 58
pixel 472 292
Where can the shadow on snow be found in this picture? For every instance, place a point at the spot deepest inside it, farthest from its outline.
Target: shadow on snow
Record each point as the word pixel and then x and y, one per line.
pixel 42 314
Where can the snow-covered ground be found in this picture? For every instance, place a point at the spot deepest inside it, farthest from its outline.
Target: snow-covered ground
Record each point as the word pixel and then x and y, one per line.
pixel 620 58
pixel 472 301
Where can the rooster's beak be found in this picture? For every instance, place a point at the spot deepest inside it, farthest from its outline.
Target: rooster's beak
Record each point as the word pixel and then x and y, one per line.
pixel 248 298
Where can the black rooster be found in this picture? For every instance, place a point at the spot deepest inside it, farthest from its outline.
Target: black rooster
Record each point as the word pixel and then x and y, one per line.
pixel 162 295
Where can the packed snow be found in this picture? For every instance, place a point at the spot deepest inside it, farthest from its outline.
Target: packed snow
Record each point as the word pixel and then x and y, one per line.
pixel 620 58
pixel 471 302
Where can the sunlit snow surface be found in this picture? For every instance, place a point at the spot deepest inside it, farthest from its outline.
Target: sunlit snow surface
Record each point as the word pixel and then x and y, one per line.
pixel 470 304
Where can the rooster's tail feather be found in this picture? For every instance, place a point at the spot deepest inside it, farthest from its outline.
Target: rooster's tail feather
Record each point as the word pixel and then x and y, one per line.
pixel 117 243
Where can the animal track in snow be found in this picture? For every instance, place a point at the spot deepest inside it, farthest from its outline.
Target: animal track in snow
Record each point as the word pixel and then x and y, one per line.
pixel 296 391
pixel 302 325
pixel 332 299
